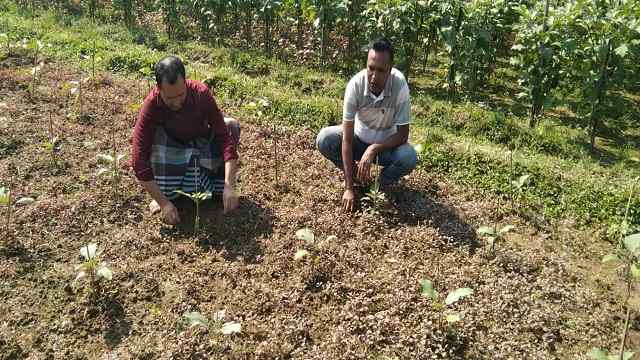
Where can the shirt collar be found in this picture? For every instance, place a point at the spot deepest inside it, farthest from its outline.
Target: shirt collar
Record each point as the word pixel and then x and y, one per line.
pixel 386 92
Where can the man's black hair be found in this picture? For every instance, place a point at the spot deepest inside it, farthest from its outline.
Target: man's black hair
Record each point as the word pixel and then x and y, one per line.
pixel 382 45
pixel 168 69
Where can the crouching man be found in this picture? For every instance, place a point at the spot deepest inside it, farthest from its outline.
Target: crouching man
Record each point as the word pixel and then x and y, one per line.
pixel 375 125
pixel 181 141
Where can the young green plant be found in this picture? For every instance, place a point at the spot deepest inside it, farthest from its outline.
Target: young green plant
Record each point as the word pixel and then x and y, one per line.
pixel 428 291
pixel 6 201
pixel 91 267
pixel 374 197
pixel 37 47
pixel 494 235
pixel 312 245
pixel 628 254
pixel 196 319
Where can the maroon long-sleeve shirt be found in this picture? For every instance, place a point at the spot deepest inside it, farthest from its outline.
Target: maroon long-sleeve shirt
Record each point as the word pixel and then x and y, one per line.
pixel 198 117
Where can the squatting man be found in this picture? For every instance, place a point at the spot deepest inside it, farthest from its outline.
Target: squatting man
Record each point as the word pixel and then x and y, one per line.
pixel 182 141
pixel 375 125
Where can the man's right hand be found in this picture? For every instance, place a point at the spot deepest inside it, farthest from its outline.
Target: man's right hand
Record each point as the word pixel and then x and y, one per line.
pixel 348 200
pixel 170 214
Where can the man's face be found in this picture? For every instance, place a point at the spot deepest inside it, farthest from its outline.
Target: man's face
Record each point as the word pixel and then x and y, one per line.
pixel 378 69
pixel 174 95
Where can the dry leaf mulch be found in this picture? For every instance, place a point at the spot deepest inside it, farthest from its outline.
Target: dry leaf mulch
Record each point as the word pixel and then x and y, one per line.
pixel 358 297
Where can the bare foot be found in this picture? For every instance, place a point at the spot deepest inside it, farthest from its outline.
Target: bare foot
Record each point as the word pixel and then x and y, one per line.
pixel 154 207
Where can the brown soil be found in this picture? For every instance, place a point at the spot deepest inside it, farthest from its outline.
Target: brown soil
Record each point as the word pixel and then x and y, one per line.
pixel 541 297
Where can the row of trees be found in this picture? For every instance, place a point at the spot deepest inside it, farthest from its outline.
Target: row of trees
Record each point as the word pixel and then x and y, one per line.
pixel 582 48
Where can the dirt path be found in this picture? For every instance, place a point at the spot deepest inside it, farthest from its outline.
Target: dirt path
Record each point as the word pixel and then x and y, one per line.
pixel 359 299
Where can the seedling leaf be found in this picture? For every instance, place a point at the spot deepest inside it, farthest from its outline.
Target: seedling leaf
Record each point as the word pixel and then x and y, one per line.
pixel 25 201
pixel 487 231
pixel 307 235
pixel 105 272
pixel 105 157
pixel 457 294
pixel 635 271
pixel 88 252
pixel 219 316
pixel 231 327
pixel 632 243
pixel 427 290
pixel 196 319
pixel 610 257
pixel 506 229
pixel 300 254
pixel 451 318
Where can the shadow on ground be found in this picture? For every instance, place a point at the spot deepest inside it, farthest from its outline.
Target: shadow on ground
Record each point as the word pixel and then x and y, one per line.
pixel 417 206
pixel 239 233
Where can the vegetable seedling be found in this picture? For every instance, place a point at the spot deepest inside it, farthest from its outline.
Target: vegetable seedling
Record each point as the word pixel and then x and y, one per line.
pixel 628 254
pixel 375 197
pixel 91 266
pixel 196 319
pixel 494 235
pixel 428 291
pixel 6 201
pixel 197 198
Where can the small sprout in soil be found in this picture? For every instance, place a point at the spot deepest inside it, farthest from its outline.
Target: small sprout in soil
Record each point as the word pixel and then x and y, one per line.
pixel 113 170
pixel 52 146
pixel 5 200
pixel 517 186
pixel 91 267
pixel 37 47
pixel 311 243
pixel 197 198
pixel 494 235
pixel 195 319
pixel 428 291
pixel 375 198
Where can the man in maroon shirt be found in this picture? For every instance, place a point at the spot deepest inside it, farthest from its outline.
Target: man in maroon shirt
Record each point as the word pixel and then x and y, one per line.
pixel 181 141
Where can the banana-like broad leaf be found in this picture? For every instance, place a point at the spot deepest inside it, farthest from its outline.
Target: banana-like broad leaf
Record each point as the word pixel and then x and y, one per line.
pixel 306 235
pixel 105 273
pixel 196 319
pixel 451 318
pixel 88 251
pixel 427 290
pixel 632 243
pixel 457 294
pixel 231 327
pixel 300 254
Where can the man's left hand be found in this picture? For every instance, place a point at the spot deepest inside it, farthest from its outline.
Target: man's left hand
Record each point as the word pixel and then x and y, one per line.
pixel 229 199
pixel 364 166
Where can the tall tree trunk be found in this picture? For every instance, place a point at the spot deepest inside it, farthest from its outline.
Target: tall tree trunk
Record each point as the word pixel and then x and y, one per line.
pixel 300 26
pixel 454 52
pixel 267 33
pixel 601 87
pixel 537 93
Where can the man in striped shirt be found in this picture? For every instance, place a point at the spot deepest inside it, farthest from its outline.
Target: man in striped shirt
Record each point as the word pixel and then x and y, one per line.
pixel 375 125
